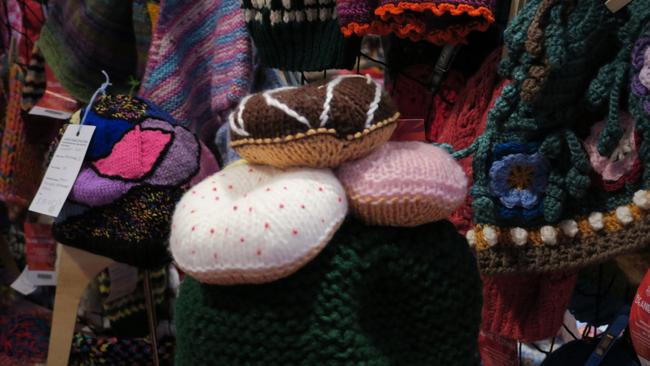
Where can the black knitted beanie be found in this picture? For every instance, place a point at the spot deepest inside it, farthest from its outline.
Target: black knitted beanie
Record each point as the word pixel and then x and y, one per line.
pixel 299 35
pixel 373 296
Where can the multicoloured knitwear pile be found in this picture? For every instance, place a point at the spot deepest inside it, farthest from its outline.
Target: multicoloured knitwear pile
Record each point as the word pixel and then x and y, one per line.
pixel 138 165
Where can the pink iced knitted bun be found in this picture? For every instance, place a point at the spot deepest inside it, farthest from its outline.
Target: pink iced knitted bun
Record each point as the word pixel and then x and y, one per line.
pixel 404 184
pixel 255 224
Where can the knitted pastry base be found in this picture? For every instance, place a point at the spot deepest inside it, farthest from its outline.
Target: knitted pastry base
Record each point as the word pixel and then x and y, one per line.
pixel 315 149
pixel 397 211
pixel 586 248
pixel 374 296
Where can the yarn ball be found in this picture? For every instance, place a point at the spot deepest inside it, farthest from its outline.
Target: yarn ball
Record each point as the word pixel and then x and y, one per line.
pixel 404 184
pixel 138 165
pixel 318 125
pixel 255 224
pixel 374 296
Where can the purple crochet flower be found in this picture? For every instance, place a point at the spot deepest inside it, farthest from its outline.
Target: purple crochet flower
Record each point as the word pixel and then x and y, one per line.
pixel 641 65
pixel 519 179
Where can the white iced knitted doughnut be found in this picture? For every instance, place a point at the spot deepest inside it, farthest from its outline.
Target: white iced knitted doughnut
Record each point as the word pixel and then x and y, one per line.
pixel 255 224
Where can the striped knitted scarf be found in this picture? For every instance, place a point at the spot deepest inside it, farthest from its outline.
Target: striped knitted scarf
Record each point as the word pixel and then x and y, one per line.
pixel 200 61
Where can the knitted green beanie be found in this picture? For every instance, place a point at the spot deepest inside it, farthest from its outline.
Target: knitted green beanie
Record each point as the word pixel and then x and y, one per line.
pixel 555 189
pixel 299 35
pixel 373 296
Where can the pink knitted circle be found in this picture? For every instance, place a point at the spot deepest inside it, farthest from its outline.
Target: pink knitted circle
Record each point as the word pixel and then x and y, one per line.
pixel 408 171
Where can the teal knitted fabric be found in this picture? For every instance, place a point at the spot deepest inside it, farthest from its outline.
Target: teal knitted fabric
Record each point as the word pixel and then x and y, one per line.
pixel 373 296
pixel 558 168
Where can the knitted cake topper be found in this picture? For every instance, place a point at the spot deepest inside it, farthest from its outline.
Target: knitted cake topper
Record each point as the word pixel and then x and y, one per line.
pixel 137 166
pixel 255 224
pixel 436 21
pixel 404 184
pixel 317 125
pixel 553 189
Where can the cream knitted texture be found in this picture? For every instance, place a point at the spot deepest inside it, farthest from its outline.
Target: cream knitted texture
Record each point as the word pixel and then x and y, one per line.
pixel 255 224
pixel 404 184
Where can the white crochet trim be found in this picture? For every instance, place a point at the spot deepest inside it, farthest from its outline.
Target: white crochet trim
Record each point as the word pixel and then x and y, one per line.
pixel 624 215
pixel 471 238
pixel 596 221
pixel 548 234
pixel 490 235
pixel 519 236
pixel 642 199
pixel 569 228
pixel 272 102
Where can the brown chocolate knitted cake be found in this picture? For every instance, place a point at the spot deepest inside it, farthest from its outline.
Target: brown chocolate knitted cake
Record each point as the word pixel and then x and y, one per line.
pixel 318 125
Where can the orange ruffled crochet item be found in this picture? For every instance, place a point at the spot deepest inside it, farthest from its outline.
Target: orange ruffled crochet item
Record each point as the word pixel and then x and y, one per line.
pixel 413 21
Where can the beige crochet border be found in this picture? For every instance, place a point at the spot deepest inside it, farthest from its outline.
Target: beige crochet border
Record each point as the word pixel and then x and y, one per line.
pixel 485 237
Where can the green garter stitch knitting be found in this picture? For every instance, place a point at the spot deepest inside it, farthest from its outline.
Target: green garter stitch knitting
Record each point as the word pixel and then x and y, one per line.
pixel 374 296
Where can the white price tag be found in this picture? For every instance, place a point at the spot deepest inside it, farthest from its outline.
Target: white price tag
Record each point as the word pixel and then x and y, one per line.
pixel 124 280
pixel 42 278
pixel 22 284
pixel 63 170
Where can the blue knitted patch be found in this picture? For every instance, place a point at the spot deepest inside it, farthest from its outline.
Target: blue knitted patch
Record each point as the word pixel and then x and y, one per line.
pixel 107 133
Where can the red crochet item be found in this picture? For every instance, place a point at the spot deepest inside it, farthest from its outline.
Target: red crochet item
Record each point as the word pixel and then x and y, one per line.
pixel 23 147
pixel 526 308
pixel 415 102
pixel 466 121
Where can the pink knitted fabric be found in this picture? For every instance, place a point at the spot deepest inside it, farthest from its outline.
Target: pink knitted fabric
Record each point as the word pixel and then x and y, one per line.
pixel 467 121
pixel 200 61
pixel 404 184
pixel 135 154
pixel 622 160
